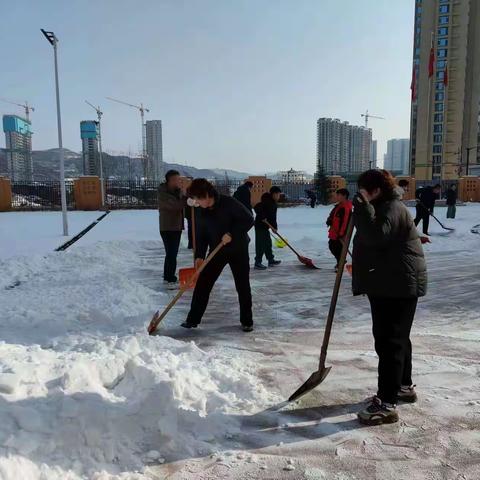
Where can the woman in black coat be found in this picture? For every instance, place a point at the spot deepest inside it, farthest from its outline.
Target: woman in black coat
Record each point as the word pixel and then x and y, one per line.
pixel 389 267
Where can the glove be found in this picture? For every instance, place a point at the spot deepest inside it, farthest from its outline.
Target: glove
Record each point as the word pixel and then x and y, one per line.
pixel 191 202
pixel 425 240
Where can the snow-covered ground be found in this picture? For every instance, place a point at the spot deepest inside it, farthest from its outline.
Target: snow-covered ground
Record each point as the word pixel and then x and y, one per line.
pixel 85 393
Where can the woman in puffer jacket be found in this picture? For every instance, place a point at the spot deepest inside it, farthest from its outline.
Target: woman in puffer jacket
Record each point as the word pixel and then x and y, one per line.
pixel 389 267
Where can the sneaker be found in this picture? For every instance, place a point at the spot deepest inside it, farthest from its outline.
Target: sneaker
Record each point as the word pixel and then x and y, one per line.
pixel 378 413
pixel 260 266
pixel 407 394
pixel 247 328
pixel 188 325
pixel 272 263
pixel 172 285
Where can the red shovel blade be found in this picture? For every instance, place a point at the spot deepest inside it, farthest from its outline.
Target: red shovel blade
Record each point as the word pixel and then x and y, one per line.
pixel 308 262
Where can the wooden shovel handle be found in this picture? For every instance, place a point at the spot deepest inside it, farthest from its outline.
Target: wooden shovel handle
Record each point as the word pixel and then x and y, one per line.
pixel 158 318
pixel 275 232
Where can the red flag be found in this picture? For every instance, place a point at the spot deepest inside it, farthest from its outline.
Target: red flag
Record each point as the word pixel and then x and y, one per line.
pixel 413 85
pixel 431 62
pixel 445 75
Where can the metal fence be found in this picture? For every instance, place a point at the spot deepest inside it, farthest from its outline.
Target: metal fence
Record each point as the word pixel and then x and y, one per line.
pixel 41 195
pixel 124 194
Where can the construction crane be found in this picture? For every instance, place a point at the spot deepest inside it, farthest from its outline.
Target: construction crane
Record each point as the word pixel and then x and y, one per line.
pixel 142 111
pixel 99 116
pixel 25 105
pixel 367 115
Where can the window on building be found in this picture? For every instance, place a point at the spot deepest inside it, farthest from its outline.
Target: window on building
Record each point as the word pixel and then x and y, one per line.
pixel 438 117
pixel 437 149
pixel 438 128
pixel 437 138
pixel 439 107
pixel 441 64
pixel 417 52
pixel 441 52
pixel 439 96
pixel 419 9
pixel 443 31
pixel 443 19
pixel 439 86
pixel 442 42
pixel 444 8
pixel 436 159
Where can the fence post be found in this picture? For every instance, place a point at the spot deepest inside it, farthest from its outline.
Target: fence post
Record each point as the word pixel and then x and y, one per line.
pixel 5 194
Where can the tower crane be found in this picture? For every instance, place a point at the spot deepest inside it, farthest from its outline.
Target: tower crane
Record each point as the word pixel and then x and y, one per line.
pixel 367 115
pixel 99 116
pixel 28 108
pixel 142 111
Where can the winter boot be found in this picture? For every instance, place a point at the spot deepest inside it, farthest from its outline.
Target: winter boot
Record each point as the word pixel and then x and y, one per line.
pixel 378 413
pixel 188 325
pixel 247 328
pixel 260 266
pixel 407 394
pixel 272 263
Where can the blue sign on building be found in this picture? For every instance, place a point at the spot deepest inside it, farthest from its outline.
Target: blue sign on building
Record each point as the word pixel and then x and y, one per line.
pixel 12 123
pixel 88 129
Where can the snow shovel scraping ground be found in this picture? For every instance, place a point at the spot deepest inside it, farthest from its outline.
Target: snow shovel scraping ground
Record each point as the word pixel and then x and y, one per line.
pixel 158 317
pixel 305 260
pixel 316 378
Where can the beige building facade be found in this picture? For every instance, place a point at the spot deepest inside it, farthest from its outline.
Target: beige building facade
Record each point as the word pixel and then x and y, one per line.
pixel 445 121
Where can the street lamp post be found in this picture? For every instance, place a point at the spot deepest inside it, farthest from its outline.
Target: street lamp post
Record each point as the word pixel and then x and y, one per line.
pixel 53 40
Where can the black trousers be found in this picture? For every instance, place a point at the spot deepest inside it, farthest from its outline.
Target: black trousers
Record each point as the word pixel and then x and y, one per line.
pixel 263 245
pixel 171 242
pixel 239 262
pixel 422 214
pixel 190 233
pixel 335 247
pixel 392 322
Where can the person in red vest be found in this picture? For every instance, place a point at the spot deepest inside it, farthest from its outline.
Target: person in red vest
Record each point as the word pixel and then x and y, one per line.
pixel 337 221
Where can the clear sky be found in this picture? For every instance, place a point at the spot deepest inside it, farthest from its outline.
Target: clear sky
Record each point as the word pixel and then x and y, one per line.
pixel 237 83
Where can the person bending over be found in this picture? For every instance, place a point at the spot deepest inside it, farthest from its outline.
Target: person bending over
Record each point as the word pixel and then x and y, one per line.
pixel 221 219
pixel 266 210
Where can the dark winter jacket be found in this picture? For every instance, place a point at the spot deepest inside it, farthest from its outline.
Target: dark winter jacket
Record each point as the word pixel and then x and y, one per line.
pixel 427 197
pixel 226 216
pixel 388 258
pixel 266 209
pixel 451 196
pixel 244 196
pixel 338 220
pixel 171 205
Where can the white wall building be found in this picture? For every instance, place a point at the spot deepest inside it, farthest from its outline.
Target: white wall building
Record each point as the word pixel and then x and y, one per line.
pixel 396 159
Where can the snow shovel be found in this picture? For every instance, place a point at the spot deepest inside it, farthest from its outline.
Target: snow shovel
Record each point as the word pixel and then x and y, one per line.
pixel 434 217
pixel 306 261
pixel 185 274
pixel 158 317
pixel 316 378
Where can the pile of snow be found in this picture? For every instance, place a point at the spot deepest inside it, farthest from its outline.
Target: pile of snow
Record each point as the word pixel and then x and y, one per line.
pixel 85 392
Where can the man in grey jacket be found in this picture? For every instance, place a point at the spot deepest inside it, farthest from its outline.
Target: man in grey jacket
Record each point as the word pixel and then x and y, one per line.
pixel 171 204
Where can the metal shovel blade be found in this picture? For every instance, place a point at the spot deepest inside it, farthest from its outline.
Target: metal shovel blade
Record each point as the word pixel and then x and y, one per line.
pixel 316 378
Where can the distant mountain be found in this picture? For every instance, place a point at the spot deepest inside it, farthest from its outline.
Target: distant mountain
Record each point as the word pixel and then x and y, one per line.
pixel 46 166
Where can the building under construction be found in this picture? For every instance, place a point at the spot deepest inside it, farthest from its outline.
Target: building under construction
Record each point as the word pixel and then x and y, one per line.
pixel 89 133
pixel 18 147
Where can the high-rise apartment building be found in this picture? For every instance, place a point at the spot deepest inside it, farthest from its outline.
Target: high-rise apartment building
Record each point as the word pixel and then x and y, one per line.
pixel 444 129
pixel 373 154
pixel 89 133
pixel 18 147
pixel 154 169
pixel 342 148
pixel 396 158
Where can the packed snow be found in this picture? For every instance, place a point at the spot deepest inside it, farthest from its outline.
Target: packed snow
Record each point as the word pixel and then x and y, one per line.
pixel 85 393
